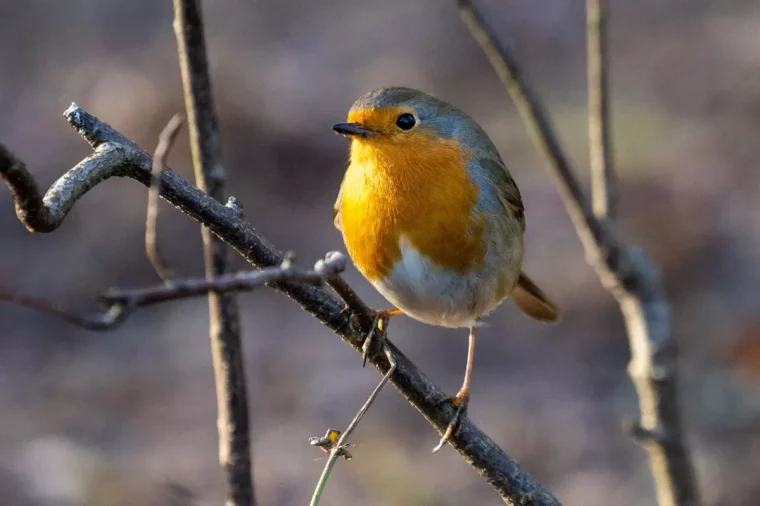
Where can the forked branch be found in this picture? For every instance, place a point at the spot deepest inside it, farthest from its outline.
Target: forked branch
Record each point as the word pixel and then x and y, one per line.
pixel 120 303
pixel 627 273
pixel 115 155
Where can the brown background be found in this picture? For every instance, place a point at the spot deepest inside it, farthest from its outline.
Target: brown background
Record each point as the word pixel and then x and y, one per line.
pixel 128 417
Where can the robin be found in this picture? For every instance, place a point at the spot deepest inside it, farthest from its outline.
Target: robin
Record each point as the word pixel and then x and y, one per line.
pixel 432 218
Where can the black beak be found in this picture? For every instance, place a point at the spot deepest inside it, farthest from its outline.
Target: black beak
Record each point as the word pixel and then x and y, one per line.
pixel 353 129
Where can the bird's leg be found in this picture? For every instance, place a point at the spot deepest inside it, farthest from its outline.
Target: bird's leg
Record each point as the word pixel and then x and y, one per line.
pixel 462 398
pixel 376 337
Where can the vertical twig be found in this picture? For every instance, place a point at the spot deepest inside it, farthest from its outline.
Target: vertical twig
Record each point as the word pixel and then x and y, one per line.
pixel 339 448
pixel 603 184
pixel 165 141
pixel 226 347
pixel 629 275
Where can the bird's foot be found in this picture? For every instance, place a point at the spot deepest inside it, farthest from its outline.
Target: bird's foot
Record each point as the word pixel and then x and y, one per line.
pixel 460 400
pixel 374 341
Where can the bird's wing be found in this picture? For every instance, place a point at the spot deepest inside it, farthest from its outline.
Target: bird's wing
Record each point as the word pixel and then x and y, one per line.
pixel 336 210
pixel 506 189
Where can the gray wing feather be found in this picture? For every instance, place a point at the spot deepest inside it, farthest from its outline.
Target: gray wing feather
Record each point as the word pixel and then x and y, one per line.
pixel 505 186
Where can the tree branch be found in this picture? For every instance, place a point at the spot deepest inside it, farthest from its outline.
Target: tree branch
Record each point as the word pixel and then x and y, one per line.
pixel 224 319
pixel 106 320
pixel 603 185
pixel 182 288
pixel 45 214
pixel 119 156
pixel 627 273
pixel 120 303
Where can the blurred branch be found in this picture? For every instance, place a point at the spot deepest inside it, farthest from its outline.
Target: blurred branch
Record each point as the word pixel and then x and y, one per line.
pixel 120 303
pixel 165 141
pixel 603 184
pixel 120 156
pixel 108 319
pixel 233 421
pixel 628 273
pixel 337 448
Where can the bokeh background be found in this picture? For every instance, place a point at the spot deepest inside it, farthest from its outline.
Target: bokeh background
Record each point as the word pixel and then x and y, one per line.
pixel 128 417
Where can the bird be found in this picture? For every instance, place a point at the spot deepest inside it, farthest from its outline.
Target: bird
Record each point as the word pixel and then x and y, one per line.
pixel 432 218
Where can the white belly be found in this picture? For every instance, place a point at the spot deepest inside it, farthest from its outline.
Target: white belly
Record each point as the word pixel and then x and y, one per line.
pixel 437 296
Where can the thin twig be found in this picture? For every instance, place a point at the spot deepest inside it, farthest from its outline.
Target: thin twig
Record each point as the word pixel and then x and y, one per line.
pixel 106 320
pixel 338 448
pixel 603 183
pixel 115 155
pixel 226 347
pixel 120 303
pixel 165 142
pixel 629 275
pixel 182 288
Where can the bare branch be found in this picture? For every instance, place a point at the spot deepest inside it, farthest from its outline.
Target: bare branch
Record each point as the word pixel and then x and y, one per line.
pixel 603 184
pixel 46 214
pixel 226 347
pixel 490 461
pixel 122 302
pixel 496 467
pixel 627 273
pixel 112 317
pixel 165 141
pixel 338 448
pixel 182 288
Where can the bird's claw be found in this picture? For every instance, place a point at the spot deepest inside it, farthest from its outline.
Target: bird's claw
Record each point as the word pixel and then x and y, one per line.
pixel 376 337
pixel 461 402
pixel 368 345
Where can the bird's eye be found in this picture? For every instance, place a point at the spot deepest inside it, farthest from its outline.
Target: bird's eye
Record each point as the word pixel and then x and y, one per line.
pixel 405 121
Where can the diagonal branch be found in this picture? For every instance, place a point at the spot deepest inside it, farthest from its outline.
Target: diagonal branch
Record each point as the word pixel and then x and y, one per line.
pixel 630 276
pixel 338 448
pixel 224 318
pixel 120 156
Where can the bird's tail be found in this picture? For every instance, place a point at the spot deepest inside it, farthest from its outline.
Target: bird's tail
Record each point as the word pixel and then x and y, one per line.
pixel 532 301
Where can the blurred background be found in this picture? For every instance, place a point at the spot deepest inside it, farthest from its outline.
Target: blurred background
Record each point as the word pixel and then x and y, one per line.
pixel 128 417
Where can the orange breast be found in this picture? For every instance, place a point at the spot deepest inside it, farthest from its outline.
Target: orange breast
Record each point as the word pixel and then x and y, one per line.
pixel 418 188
